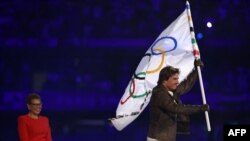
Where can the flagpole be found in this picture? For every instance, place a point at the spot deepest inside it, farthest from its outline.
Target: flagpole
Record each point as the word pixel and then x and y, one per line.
pixel 197 56
pixel 204 98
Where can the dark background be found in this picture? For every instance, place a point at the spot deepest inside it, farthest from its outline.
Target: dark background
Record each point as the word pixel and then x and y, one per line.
pixel 79 55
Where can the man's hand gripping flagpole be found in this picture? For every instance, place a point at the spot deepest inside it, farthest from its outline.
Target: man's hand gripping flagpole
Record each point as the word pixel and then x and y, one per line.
pixel 197 56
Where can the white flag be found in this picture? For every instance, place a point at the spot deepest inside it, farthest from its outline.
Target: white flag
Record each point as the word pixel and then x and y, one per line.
pixel 173 47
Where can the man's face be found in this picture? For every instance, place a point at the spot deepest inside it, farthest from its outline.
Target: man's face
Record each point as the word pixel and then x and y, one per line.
pixel 172 83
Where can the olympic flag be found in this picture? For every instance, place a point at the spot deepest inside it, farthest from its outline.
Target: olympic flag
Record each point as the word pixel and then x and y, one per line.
pixel 175 46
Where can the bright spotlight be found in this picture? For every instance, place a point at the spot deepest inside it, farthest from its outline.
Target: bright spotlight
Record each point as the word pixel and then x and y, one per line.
pixel 209 24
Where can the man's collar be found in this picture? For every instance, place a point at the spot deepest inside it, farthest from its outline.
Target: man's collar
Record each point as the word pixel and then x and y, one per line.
pixel 171 93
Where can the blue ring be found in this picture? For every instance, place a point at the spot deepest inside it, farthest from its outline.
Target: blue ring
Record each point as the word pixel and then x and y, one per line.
pixel 162 38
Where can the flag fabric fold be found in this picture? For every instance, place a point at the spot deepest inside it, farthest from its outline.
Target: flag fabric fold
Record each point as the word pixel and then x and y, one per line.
pixel 173 47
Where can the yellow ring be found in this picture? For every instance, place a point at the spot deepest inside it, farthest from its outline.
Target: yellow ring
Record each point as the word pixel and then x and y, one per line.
pixel 160 66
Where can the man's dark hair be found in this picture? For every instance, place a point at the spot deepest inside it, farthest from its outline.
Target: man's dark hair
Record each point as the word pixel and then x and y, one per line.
pixel 167 72
pixel 31 97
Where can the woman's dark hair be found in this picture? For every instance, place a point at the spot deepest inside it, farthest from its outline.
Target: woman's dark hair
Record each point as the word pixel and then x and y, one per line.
pixel 31 97
pixel 167 72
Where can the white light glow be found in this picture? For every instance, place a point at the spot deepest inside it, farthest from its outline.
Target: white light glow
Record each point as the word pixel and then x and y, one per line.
pixel 209 24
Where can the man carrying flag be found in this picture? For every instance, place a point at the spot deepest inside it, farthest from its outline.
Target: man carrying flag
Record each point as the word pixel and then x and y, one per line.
pixel 176 47
pixel 168 115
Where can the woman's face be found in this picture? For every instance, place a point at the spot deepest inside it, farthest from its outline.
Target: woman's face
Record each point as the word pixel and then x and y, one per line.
pixel 35 106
